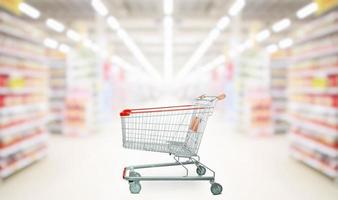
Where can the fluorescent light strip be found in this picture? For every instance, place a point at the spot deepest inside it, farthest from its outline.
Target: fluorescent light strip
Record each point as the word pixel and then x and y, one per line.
pixel 168 7
pixel 223 23
pixel 50 43
pixel 307 10
pixel 71 34
pixel 263 35
pixel 236 8
pixel 202 49
pixel 271 48
pixel 113 23
pixel 55 25
pixel 281 25
pixel 136 52
pixel 99 7
pixel 29 10
pixel 123 35
pixel 285 43
pixel 64 48
pixel 168 46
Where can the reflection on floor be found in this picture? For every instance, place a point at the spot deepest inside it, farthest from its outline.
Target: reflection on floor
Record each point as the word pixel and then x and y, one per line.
pixel 91 168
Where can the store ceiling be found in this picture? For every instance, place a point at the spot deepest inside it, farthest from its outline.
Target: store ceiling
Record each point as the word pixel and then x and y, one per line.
pixel 193 19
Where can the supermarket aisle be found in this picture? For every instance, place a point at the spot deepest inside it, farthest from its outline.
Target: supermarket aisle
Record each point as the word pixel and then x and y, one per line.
pixel 90 168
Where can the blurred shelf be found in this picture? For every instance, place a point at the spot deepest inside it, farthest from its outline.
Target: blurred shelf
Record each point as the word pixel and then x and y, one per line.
pixel 23 127
pixel 316 54
pixel 322 33
pixel 23 108
pixel 22 55
pixel 26 73
pixel 15 34
pixel 314 163
pixel 312 126
pixel 22 163
pixel 304 90
pixel 313 107
pixel 26 143
pixel 312 144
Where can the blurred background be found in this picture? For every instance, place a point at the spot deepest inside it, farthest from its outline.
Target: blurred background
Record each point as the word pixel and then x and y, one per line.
pixel 69 67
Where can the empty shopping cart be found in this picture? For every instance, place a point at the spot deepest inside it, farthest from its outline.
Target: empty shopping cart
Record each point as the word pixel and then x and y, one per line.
pixel 176 130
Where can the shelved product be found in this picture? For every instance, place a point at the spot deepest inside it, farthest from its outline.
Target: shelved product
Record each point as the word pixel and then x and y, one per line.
pixel 23 96
pixel 313 96
pixel 57 95
pixel 278 70
pixel 81 108
pixel 252 78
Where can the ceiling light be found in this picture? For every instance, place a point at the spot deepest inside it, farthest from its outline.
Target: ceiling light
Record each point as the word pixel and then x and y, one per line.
pixel 271 48
pixel 285 43
pixel 113 23
pixel 168 7
pixel 64 48
pixel 223 23
pixel 50 43
pixel 55 25
pixel 99 7
pixel 263 35
pixel 71 34
pixel 307 10
pixel 29 10
pixel 281 25
pixel 236 7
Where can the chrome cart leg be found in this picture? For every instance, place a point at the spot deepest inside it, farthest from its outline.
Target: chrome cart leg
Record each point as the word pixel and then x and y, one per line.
pixel 134 178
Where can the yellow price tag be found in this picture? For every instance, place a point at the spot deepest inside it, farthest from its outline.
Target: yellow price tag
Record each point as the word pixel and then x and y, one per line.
pixel 11 5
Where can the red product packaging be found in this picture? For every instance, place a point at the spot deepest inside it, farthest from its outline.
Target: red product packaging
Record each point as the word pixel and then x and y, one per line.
pixel 2 101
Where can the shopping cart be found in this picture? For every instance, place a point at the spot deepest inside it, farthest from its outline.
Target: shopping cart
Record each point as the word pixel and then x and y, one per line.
pixel 176 130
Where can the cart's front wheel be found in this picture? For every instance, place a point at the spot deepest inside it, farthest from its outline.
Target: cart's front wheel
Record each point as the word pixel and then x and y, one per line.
pixel 135 187
pixel 216 188
pixel 200 170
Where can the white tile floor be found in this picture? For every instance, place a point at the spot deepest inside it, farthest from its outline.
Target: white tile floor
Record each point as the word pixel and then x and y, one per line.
pixel 91 168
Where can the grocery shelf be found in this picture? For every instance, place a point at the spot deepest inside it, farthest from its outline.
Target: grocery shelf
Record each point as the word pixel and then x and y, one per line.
pixel 313 107
pixel 316 54
pixel 314 163
pixel 23 108
pixel 312 126
pixel 12 33
pixel 7 70
pixel 22 145
pixel 313 78
pixel 22 55
pixel 317 35
pixel 24 126
pixel 312 144
pixel 22 163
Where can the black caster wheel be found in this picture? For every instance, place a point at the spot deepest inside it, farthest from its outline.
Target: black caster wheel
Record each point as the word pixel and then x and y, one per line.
pixel 200 170
pixel 216 188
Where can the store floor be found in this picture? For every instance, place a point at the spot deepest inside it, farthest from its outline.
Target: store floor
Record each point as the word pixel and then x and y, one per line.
pixel 91 168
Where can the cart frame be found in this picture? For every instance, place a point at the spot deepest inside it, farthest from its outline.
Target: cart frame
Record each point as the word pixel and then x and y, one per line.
pixel 134 178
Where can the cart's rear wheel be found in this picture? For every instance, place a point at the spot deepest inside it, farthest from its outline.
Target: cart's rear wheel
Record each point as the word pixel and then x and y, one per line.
pixel 200 170
pixel 135 187
pixel 216 188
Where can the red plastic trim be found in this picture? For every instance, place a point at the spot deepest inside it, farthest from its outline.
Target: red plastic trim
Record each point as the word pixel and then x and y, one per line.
pixel 125 112
pixel 124 173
